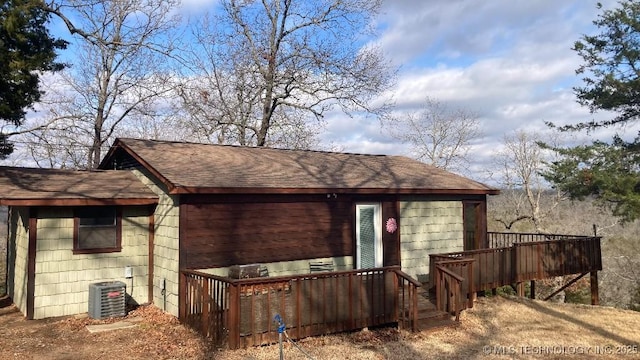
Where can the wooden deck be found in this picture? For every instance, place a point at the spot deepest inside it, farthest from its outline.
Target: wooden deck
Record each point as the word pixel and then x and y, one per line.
pixel 524 259
pixel 241 313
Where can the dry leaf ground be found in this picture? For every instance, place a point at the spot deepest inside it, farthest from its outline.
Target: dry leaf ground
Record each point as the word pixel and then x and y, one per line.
pixel 497 327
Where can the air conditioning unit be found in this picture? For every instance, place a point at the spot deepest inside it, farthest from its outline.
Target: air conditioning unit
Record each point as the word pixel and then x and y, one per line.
pixel 107 299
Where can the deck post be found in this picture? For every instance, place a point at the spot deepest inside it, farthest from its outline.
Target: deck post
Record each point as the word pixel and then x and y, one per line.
pixel 182 299
pixel 594 288
pixel 205 307
pixel 414 297
pixel 472 296
pixel 234 317
pixel 533 290
pixel 396 296
pixel 438 290
pixel 299 285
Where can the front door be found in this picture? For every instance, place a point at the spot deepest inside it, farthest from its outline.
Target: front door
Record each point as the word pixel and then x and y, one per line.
pixel 368 236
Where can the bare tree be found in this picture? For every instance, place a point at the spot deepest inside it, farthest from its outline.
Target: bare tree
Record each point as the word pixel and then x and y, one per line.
pixel 437 135
pixel 121 48
pixel 261 69
pixel 529 198
pixel 520 164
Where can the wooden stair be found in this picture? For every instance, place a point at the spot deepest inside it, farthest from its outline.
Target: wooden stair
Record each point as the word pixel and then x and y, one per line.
pixel 430 318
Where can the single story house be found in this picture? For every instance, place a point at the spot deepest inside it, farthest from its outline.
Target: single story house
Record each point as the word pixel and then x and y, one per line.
pixel 161 207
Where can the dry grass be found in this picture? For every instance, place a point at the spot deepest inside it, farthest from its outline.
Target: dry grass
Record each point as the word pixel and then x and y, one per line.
pixel 496 327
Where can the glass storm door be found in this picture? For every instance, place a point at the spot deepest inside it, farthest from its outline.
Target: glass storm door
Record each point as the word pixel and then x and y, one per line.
pixel 368 236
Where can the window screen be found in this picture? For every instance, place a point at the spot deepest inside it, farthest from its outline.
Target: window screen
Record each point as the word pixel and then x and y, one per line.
pixel 97 229
pixel 367 238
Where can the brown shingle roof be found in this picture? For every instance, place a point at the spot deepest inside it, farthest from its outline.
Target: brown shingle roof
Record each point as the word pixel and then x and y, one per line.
pixel 206 168
pixel 44 187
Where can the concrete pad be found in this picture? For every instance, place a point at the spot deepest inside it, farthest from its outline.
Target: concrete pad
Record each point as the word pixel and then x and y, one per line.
pixel 135 319
pixel 109 327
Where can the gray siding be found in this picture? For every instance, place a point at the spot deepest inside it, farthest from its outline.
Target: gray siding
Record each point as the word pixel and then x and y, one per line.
pixel 166 242
pixel 62 278
pixel 17 254
pixel 428 227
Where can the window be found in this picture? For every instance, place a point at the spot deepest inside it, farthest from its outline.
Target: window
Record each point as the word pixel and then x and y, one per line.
pixel 97 229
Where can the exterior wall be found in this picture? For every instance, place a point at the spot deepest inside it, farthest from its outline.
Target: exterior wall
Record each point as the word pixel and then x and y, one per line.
pixel 390 241
pixel 264 229
pixel 17 254
pixel 62 278
pixel 166 243
pixel 428 227
pixel 286 268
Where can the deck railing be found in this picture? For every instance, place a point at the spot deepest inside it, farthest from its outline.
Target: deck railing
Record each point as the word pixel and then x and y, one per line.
pixel 545 259
pixel 205 304
pixel 454 291
pixel 241 312
pixel 407 300
pixel 502 239
pixel 528 260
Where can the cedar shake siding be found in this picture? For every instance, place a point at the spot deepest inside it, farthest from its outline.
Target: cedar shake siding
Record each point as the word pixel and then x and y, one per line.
pixel 17 255
pixel 428 227
pixel 166 244
pixel 62 278
pixel 50 265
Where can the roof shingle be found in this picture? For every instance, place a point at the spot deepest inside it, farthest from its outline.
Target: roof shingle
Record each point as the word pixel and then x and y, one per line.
pixel 207 168
pixel 44 187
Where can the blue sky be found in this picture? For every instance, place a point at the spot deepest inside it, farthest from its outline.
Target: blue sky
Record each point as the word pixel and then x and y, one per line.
pixel 508 61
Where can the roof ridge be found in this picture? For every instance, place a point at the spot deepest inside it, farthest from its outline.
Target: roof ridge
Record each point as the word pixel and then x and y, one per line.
pixel 261 147
pixel 28 168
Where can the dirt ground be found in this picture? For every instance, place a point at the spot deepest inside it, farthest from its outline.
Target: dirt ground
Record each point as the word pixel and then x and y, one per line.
pixel 157 336
pixel 496 327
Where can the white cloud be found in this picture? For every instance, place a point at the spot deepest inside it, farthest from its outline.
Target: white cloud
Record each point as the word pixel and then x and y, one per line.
pixel 510 62
pixel 449 29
